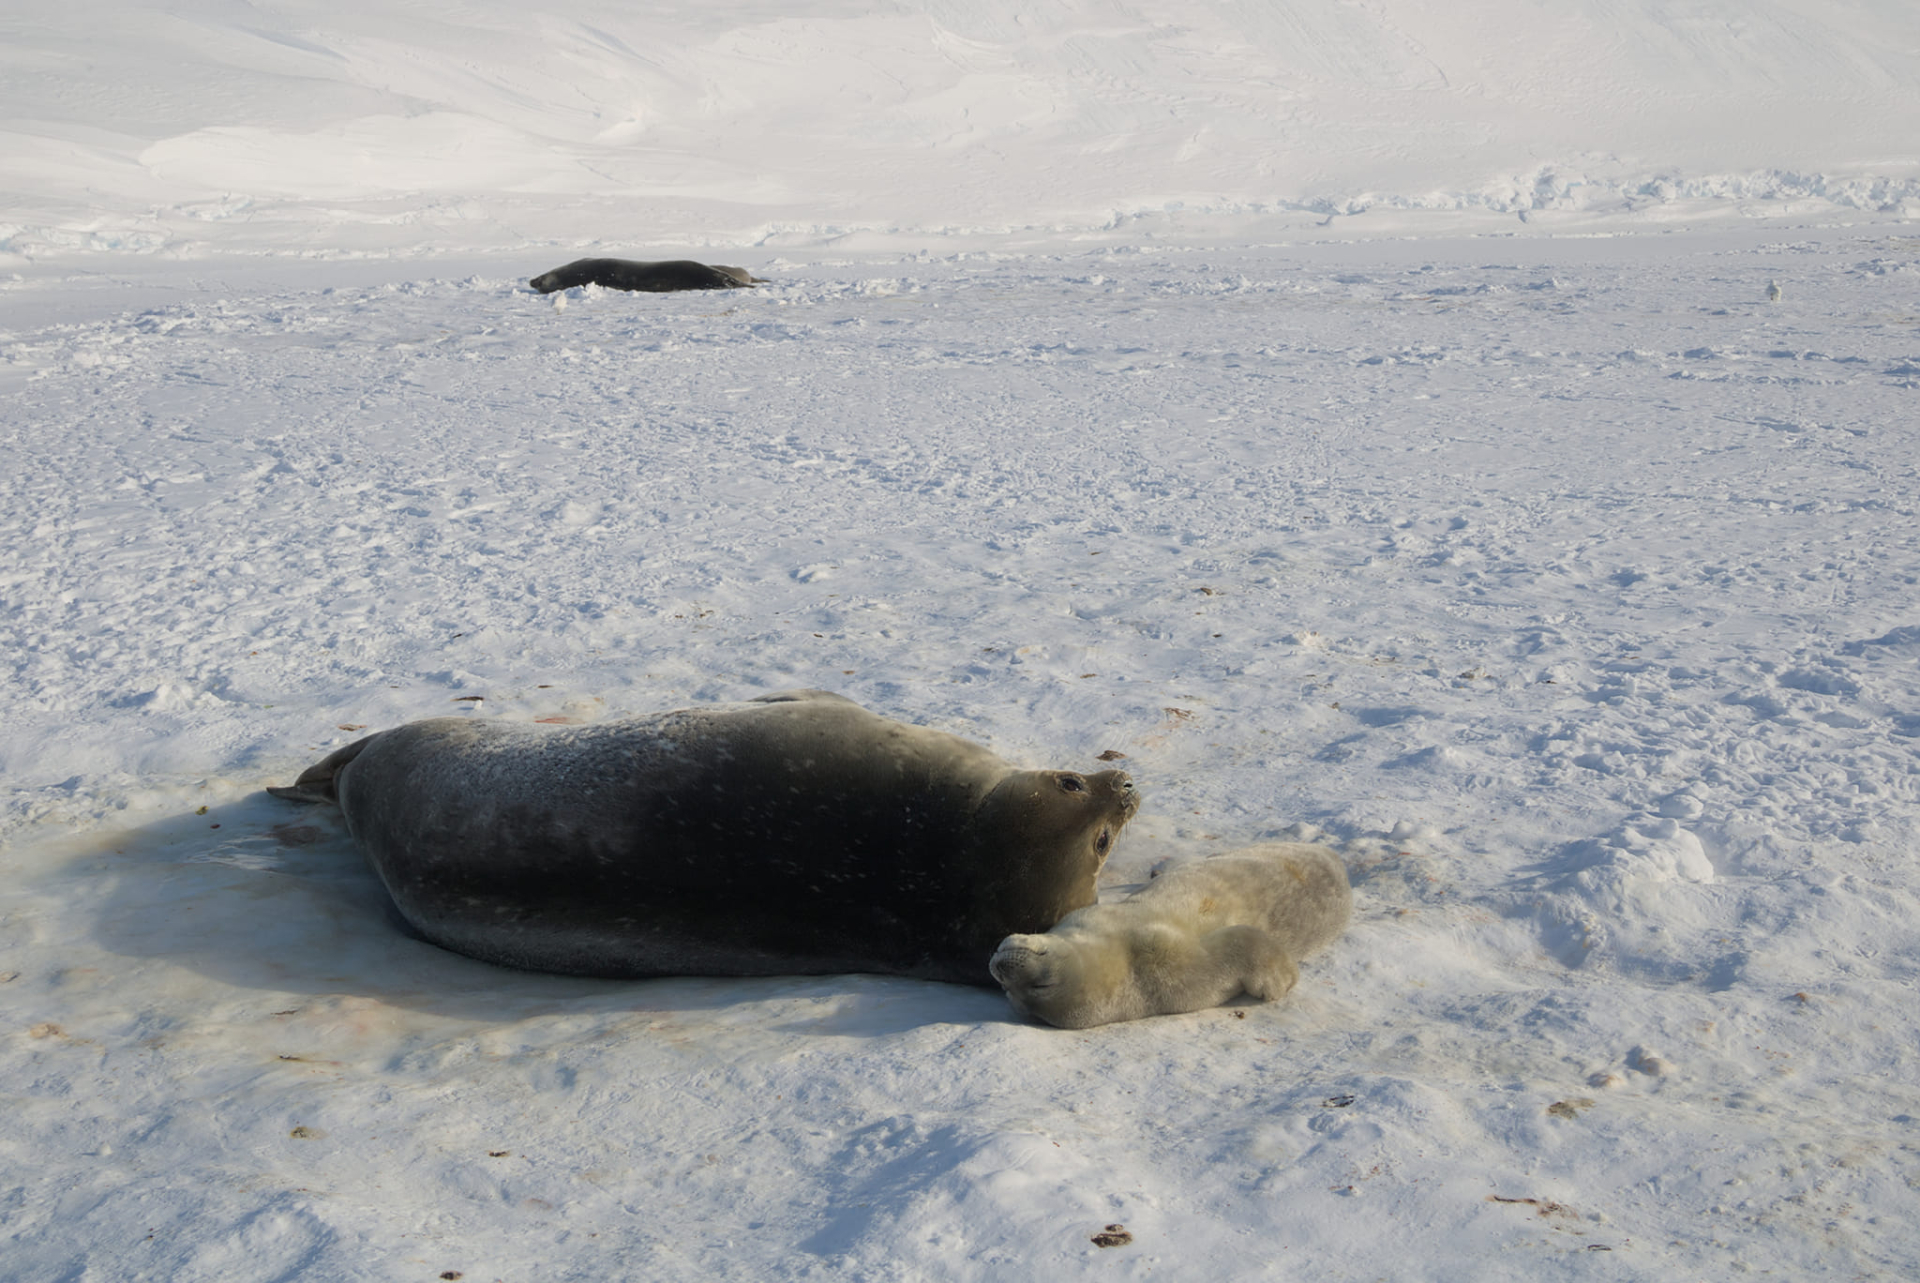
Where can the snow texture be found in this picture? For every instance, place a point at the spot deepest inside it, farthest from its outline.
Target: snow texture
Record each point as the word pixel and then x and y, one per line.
pixel 1568 583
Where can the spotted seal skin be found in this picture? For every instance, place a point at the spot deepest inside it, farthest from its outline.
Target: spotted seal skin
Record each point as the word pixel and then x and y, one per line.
pixel 793 834
pixel 1194 937
pixel 652 278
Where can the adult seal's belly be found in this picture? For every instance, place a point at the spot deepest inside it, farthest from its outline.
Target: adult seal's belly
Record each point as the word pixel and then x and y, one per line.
pixel 798 833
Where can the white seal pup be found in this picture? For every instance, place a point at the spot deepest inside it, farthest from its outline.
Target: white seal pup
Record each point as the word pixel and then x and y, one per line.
pixel 793 834
pixel 1194 937
pixel 651 278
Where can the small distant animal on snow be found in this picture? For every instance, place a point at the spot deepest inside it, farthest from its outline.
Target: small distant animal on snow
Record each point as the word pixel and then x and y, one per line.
pixel 652 278
pixel 1194 937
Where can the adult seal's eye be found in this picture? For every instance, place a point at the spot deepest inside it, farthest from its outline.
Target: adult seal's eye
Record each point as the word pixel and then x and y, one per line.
pixel 1073 784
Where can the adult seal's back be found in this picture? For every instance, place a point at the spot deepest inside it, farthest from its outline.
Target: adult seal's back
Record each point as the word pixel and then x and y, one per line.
pixel 797 833
pixel 653 278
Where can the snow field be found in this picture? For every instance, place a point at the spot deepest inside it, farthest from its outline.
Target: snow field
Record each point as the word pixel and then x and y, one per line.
pixel 1565 582
pixel 1567 585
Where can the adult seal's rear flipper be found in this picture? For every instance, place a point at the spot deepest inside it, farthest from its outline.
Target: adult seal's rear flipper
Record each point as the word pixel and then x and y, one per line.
pixel 316 783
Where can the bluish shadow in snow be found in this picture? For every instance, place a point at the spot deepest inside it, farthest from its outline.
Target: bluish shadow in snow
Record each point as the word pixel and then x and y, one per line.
pixel 1375 718
pixel 882 1168
pixel 260 894
pixel 1895 643
pixel 999 1200
pixel 1341 750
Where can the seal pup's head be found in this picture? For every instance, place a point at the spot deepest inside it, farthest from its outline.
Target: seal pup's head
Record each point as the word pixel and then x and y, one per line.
pixel 1068 982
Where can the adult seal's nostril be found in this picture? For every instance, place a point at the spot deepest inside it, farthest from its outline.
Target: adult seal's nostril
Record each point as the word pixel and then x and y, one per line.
pixel 1119 786
pixel 794 834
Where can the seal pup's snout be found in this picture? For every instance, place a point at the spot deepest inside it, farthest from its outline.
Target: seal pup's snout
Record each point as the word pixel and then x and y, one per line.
pixel 1018 960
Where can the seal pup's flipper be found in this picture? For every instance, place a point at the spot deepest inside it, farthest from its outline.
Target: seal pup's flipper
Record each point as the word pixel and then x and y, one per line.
pixel 316 782
pixel 1246 960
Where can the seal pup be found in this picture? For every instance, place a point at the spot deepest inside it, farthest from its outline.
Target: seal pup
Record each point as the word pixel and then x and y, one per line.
pixel 653 278
pixel 1193 937
pixel 797 833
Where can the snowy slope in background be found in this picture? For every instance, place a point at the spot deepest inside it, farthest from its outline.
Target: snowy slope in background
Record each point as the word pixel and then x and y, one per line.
pixel 355 127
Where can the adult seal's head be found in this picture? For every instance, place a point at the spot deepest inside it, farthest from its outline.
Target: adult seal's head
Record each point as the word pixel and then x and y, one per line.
pixel 798 833
pixel 1064 822
pixel 1194 937
pixel 651 278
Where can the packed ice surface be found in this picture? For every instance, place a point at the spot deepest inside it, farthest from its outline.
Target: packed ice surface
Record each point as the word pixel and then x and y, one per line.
pixel 1569 584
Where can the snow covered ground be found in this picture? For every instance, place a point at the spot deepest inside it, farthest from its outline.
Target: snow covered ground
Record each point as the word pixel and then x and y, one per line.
pixel 1566 582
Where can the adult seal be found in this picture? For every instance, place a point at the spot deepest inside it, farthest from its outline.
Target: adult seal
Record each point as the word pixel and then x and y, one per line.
pixel 1194 937
pixel 652 278
pixel 793 834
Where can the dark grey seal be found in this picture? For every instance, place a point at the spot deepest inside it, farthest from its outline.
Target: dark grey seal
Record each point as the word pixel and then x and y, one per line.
pixel 654 278
pixel 793 834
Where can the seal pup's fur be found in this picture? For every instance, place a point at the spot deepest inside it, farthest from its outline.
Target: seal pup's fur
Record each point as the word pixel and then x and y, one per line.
pixel 1193 937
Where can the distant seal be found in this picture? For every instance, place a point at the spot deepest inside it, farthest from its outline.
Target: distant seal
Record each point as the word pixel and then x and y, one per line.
pixel 654 278
pixel 1192 938
pixel 793 834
